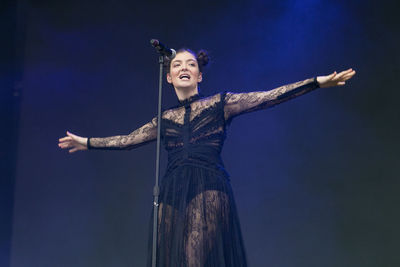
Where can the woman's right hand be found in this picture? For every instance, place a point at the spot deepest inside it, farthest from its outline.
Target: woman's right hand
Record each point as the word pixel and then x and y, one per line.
pixel 73 142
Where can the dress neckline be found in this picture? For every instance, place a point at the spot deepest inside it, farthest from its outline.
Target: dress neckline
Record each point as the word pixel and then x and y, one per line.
pixel 189 100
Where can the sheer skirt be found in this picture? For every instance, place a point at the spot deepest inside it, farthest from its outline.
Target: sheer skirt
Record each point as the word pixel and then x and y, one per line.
pixel 198 223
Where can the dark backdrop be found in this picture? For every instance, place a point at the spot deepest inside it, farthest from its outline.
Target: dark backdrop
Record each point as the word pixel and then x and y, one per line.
pixel 315 179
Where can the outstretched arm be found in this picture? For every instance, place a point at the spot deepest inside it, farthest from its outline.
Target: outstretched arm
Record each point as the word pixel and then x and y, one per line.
pixel 240 103
pixel 140 136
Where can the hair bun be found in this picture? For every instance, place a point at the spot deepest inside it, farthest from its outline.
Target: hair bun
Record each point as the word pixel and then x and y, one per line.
pixel 202 58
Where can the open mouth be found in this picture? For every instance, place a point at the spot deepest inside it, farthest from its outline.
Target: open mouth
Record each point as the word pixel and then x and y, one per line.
pixel 184 77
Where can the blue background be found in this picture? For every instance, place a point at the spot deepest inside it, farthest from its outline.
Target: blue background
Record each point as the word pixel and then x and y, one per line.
pixel 315 179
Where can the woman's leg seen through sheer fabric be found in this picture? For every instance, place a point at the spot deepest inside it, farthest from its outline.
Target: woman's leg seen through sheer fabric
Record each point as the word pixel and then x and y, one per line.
pixel 205 221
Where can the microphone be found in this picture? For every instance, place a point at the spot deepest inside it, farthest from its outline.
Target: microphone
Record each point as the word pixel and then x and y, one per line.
pixel 162 49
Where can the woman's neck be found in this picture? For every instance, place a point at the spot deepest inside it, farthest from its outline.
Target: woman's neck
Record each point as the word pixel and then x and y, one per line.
pixel 185 94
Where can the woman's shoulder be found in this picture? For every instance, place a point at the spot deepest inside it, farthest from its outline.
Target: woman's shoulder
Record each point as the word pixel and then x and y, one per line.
pixel 212 97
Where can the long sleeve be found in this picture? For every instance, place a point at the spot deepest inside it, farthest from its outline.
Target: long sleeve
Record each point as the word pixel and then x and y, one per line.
pixel 240 103
pixel 138 137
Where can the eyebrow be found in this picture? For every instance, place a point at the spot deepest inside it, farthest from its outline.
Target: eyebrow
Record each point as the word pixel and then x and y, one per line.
pixel 178 60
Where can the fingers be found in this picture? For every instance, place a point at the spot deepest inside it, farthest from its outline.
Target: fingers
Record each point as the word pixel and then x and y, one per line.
pixel 344 76
pixel 69 137
pixel 64 139
pixel 341 74
pixel 69 141
pixel 64 145
pixel 71 134
pixel 346 72
pixel 351 73
pixel 331 76
pixel 336 76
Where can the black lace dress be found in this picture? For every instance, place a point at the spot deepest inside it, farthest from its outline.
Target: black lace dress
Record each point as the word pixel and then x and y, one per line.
pixel 198 222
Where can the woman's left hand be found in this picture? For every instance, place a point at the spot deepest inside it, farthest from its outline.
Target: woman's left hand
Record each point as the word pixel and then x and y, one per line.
pixel 335 79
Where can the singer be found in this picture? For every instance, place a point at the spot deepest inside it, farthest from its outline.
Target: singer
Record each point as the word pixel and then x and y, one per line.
pixel 198 222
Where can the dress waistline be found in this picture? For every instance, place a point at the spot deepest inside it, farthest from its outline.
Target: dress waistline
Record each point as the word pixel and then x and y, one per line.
pixel 208 164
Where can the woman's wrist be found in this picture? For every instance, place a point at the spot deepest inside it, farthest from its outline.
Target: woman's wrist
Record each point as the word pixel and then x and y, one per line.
pixel 316 81
pixel 88 143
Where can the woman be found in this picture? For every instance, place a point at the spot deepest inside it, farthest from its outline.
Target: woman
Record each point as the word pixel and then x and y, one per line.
pixel 198 223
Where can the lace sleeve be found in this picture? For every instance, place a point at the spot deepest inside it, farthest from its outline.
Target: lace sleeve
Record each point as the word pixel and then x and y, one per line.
pixel 239 103
pixel 139 137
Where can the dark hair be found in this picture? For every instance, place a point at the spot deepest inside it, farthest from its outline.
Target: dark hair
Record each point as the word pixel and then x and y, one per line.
pixel 201 57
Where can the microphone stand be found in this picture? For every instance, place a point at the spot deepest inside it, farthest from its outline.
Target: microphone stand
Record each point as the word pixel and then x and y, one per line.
pixel 156 189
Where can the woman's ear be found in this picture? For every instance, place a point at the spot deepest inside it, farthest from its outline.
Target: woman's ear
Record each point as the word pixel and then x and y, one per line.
pixel 169 79
pixel 200 78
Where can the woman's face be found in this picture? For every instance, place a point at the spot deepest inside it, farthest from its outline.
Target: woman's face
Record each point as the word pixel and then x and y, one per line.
pixel 184 71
